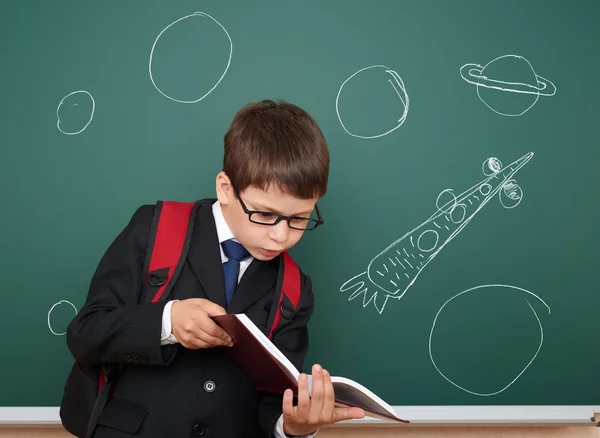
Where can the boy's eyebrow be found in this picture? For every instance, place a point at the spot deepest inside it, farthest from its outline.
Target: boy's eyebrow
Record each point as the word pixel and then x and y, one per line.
pixel 263 207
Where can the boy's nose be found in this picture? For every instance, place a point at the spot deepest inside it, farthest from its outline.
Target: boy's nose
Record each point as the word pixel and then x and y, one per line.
pixel 279 232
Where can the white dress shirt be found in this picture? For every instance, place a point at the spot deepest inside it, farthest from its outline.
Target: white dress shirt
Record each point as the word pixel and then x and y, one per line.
pixel 223 233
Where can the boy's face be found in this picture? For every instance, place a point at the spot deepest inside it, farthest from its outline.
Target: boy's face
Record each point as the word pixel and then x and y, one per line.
pixel 264 242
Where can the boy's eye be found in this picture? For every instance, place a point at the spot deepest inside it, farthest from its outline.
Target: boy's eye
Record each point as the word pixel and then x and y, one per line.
pixel 265 217
pixel 299 221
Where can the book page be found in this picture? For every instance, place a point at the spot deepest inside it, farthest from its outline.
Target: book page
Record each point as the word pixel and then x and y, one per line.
pixel 349 393
pixel 353 393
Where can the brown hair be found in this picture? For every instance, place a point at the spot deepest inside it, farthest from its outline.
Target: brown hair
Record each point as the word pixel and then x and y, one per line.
pixel 278 143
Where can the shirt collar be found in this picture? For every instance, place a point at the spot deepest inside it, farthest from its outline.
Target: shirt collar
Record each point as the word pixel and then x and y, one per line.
pixel 223 231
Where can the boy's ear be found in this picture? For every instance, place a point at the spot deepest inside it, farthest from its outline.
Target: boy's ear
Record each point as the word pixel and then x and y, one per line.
pixel 224 189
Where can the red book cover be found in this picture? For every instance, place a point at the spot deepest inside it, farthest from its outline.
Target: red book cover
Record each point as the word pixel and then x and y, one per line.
pixel 254 358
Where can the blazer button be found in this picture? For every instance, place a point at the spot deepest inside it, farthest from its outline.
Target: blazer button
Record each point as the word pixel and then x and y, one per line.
pixel 198 430
pixel 209 386
pixel 127 357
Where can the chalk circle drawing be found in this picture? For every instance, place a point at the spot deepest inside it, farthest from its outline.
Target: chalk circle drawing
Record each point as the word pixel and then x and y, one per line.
pixel 371 76
pixel 394 270
pixel 507 74
pixel 484 303
pixel 64 303
pixel 201 18
pixel 77 109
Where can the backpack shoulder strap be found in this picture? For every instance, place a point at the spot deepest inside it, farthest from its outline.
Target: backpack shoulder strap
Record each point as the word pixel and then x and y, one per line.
pixel 168 244
pixel 290 288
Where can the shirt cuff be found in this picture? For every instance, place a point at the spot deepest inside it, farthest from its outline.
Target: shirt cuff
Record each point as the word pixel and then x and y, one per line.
pixel 278 430
pixel 166 337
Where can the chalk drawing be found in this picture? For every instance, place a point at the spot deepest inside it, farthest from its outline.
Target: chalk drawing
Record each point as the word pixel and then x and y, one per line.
pixel 74 99
pixel 485 289
pixel 394 270
pixel 50 312
pixel 529 83
pixel 398 87
pixel 195 15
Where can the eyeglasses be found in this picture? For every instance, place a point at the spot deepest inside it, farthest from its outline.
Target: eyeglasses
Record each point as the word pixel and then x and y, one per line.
pixel 270 218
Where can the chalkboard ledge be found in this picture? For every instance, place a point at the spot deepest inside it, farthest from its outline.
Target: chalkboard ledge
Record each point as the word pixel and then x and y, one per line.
pixel 493 416
pixel 552 416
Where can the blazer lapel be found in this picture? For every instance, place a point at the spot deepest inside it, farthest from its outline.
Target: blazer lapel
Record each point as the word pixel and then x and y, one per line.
pixel 259 278
pixel 205 255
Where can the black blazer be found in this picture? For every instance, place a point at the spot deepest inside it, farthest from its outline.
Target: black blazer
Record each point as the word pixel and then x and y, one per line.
pixel 170 391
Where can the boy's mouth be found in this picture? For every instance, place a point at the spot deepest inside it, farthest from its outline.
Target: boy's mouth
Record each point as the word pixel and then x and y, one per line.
pixel 270 253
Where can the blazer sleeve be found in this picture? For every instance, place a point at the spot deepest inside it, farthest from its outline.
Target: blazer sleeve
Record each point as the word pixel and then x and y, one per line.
pixel 293 341
pixel 112 327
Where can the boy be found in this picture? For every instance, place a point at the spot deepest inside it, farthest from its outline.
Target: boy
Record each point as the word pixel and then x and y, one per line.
pixel 179 381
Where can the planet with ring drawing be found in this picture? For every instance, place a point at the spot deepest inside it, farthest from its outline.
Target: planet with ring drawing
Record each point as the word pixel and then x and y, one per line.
pixel 508 85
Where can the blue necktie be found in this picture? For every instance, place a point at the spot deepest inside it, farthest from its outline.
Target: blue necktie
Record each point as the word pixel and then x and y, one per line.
pixel 235 252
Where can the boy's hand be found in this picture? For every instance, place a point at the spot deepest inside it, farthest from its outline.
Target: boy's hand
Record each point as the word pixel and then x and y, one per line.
pixel 192 326
pixel 318 410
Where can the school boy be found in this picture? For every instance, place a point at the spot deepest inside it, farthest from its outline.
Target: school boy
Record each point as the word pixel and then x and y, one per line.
pixel 178 380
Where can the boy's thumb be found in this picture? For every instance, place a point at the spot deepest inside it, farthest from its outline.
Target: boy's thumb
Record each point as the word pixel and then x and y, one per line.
pixel 213 309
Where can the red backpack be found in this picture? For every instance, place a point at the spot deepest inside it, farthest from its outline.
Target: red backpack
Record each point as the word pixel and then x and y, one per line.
pixel 168 244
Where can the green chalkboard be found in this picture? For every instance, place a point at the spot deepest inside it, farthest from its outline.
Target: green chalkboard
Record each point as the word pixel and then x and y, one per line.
pixel 457 264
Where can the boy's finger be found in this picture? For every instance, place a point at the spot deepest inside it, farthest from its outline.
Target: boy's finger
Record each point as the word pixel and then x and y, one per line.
pixel 328 396
pixel 348 414
pixel 288 406
pixel 316 399
pixel 212 329
pixel 221 334
pixel 303 399
pixel 194 343
pixel 212 341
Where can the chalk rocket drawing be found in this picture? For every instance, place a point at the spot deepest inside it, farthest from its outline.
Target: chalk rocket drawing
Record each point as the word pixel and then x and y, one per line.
pixel 393 271
pixel 488 289
pixel 196 15
pixel 489 77
pixel 50 312
pixel 396 83
pixel 80 99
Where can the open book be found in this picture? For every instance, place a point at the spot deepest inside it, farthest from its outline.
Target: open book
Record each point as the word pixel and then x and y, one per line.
pixel 269 370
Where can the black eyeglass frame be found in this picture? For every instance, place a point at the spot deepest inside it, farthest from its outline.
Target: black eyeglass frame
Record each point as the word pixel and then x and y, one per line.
pixel 280 217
